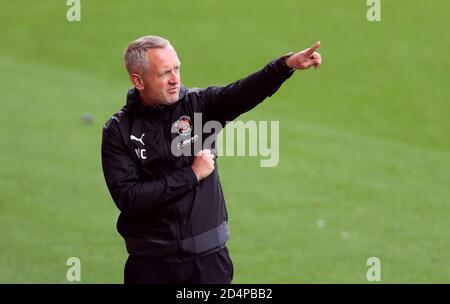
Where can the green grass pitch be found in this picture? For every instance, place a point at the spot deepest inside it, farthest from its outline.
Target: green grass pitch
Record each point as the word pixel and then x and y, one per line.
pixel 364 165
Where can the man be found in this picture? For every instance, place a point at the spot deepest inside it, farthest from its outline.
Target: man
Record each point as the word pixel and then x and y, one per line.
pixel 173 215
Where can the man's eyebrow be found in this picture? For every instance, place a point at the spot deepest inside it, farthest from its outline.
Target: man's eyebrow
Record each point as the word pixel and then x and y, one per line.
pixel 163 70
pixel 166 68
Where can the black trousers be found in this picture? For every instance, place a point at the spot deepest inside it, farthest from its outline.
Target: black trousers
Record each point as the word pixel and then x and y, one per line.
pixel 216 268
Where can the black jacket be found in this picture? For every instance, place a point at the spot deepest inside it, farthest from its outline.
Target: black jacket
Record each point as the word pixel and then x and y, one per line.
pixel 166 214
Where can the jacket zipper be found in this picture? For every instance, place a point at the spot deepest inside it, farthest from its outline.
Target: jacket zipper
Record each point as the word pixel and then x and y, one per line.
pixel 176 208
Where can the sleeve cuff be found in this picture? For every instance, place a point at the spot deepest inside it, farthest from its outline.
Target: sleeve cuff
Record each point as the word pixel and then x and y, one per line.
pixel 281 69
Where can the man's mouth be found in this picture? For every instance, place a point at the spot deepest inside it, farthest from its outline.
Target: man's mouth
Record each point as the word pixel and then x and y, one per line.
pixel 173 90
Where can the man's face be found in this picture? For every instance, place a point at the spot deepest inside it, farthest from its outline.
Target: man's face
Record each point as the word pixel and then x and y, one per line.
pixel 161 81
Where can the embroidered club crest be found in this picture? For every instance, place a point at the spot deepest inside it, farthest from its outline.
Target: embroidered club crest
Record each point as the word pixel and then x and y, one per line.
pixel 183 125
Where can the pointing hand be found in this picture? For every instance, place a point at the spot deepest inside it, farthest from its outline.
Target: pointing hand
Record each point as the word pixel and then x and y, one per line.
pixel 306 58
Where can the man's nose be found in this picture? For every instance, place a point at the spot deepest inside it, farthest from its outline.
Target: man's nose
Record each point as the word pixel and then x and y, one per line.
pixel 174 77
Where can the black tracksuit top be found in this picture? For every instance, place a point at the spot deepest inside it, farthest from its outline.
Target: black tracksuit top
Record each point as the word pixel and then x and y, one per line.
pixel 166 214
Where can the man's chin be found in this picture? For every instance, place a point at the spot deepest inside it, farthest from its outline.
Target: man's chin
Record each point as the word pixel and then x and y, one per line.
pixel 172 98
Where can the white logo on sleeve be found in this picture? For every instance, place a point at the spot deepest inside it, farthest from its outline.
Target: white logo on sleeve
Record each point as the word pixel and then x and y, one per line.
pixel 132 137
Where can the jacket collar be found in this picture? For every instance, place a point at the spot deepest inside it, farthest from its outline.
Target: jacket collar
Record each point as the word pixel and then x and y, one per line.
pixel 135 106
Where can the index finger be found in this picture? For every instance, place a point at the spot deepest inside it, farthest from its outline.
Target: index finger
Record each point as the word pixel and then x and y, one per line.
pixel 312 49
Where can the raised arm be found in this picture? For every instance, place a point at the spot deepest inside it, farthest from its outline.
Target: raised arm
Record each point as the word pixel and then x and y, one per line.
pixel 227 103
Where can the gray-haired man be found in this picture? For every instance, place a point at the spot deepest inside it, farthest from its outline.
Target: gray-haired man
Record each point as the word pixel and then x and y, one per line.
pixel 173 213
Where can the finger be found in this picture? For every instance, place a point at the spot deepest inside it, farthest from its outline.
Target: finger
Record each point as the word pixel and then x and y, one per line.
pixel 203 152
pixel 308 64
pixel 318 58
pixel 208 156
pixel 315 55
pixel 312 63
pixel 199 153
pixel 318 63
pixel 211 164
pixel 312 49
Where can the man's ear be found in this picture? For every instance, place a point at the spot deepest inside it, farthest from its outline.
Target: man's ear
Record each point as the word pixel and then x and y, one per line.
pixel 137 81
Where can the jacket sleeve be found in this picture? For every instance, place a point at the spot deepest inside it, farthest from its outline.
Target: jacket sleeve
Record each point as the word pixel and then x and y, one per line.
pixel 128 191
pixel 226 103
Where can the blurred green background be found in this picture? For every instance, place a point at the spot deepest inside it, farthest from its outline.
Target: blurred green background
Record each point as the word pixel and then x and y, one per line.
pixel 364 165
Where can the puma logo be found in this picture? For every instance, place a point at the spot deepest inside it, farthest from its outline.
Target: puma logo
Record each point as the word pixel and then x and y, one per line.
pixel 132 137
